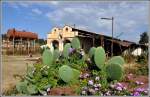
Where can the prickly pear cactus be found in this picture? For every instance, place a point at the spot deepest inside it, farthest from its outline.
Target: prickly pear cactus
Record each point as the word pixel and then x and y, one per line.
pixel 52 49
pixel 76 74
pixel 22 87
pixel 91 52
pixel 66 50
pixel 116 60
pixel 114 71
pixel 47 57
pixel 30 70
pixel 99 57
pixel 32 89
pixel 75 43
pixel 66 73
pixel 56 54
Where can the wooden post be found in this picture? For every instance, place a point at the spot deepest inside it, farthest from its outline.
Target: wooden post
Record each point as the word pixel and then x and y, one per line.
pixel 7 45
pixel 34 45
pixel 28 45
pixel 21 45
pixel 93 40
pixel 120 48
pixel 112 36
pixel 13 46
pixel 102 41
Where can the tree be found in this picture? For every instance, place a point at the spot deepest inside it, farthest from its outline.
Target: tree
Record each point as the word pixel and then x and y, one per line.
pixel 144 38
pixel 41 41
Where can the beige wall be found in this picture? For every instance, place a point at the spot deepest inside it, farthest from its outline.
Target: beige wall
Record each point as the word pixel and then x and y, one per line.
pixel 66 33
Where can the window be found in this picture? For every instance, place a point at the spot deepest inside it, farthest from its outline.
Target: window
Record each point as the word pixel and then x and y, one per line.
pixel 66 29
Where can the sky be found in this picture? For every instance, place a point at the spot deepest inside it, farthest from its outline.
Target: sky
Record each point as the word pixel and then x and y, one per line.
pixel 130 18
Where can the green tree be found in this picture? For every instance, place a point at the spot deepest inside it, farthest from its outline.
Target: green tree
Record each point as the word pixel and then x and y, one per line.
pixel 143 38
pixel 41 41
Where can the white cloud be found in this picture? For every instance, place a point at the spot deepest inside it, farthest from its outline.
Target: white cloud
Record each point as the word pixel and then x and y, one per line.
pixel 24 4
pixel 129 17
pixel 37 11
pixel 54 2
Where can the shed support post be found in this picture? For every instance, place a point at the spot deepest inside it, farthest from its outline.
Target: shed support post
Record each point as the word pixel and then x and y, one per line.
pixel 13 46
pixel 102 41
pixel 93 41
pixel 28 46
pixel 21 45
pixel 34 45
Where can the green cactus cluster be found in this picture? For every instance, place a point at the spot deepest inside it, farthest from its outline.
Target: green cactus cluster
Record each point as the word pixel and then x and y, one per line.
pixel 114 67
pixel 47 75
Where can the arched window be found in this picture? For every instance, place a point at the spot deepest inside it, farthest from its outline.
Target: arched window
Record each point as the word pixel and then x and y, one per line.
pixel 66 41
pixel 67 29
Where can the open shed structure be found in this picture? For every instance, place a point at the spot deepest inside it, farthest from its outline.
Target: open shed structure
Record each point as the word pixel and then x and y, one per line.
pixel 20 42
pixel 58 37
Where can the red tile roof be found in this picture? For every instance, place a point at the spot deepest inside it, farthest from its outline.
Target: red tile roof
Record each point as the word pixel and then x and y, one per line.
pixel 21 34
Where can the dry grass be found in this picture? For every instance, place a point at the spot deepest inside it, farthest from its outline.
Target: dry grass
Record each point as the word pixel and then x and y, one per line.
pixel 12 65
pixel 131 67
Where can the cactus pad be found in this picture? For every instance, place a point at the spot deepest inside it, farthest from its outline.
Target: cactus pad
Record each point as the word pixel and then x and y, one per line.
pixel 32 89
pixel 75 43
pixel 56 54
pixel 65 73
pixel 91 52
pixel 116 60
pixel 99 57
pixel 114 71
pixel 66 50
pixel 47 57
pixel 76 74
pixel 22 87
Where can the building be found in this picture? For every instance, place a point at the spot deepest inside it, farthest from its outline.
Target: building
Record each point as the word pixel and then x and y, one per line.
pixel 58 37
pixel 22 42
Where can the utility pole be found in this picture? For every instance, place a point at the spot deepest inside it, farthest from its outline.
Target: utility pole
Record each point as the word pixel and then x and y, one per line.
pixel 74 25
pixel 112 36
pixel 112 19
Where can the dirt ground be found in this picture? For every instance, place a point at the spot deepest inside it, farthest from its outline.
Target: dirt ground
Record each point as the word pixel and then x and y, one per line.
pixel 12 65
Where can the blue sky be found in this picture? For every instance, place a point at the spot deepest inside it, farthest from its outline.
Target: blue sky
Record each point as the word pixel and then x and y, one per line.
pixel 131 18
